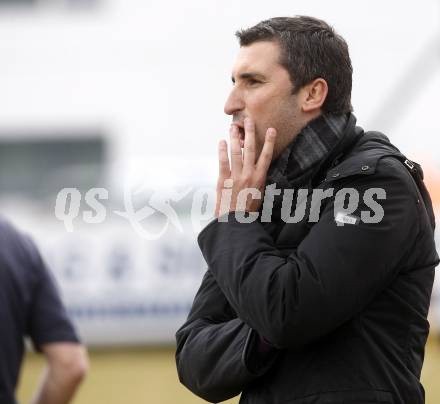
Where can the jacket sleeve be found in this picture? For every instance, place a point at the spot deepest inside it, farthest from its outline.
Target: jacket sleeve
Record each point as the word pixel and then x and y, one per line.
pixel 211 346
pixel 331 275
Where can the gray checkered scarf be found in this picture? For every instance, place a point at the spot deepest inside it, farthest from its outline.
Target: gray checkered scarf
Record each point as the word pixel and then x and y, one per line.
pixel 298 163
pixel 295 167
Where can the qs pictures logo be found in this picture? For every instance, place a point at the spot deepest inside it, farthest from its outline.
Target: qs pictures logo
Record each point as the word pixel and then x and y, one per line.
pixel 69 200
pixel 347 205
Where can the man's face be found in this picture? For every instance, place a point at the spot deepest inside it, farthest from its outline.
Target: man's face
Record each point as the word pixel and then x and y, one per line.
pixel 262 90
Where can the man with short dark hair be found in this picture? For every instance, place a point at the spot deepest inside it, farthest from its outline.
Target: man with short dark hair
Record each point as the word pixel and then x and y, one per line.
pixel 324 300
pixel 30 306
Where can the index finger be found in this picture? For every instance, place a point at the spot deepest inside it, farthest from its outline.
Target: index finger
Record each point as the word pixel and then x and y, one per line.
pixel 249 144
pixel 267 153
pixel 236 156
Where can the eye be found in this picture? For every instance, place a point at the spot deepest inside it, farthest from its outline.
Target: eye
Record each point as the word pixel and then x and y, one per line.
pixel 252 82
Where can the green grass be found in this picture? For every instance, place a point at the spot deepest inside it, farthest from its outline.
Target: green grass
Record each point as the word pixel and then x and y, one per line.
pixel 138 376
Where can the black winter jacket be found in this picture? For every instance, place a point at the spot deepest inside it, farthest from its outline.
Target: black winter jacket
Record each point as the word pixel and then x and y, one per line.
pixel 343 307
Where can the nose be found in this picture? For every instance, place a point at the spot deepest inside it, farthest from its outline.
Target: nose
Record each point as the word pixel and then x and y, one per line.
pixel 234 103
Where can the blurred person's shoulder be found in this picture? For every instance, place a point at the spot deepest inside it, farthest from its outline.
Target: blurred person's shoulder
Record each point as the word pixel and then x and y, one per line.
pixel 11 240
pixel 18 253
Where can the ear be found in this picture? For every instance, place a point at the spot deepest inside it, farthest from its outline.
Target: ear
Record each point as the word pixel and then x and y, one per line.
pixel 314 95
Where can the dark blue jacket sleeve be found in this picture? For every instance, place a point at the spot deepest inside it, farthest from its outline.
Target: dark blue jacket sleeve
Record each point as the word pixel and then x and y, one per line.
pixel 48 320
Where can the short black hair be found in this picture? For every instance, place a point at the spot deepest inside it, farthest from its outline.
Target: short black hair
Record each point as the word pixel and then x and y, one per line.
pixel 310 48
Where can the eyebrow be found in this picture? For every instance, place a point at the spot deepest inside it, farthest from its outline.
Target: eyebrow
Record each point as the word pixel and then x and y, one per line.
pixel 250 75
